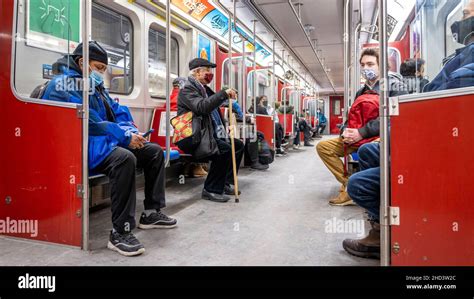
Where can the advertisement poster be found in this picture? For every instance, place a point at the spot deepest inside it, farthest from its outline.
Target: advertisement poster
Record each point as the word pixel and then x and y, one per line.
pixel 53 25
pixel 204 48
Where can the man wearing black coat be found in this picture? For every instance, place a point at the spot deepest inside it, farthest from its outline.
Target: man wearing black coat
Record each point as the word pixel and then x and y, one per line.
pixel 215 143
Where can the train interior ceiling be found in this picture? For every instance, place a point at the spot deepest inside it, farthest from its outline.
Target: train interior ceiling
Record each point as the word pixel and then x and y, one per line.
pixel 299 53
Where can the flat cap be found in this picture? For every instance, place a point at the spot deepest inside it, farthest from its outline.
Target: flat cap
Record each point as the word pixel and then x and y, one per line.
pixel 200 62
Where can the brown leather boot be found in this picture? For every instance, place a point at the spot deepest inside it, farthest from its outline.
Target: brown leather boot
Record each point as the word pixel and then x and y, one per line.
pixel 342 199
pixel 368 247
pixel 198 171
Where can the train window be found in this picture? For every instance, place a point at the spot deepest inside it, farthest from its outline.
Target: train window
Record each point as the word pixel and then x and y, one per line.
pixel 157 62
pixel 440 45
pixel 263 85
pixel 336 106
pixel 453 16
pixel 114 32
pixel 41 39
pixel 236 73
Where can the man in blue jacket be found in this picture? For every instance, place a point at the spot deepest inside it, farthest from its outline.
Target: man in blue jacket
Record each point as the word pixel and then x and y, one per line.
pixel 322 121
pixel 116 148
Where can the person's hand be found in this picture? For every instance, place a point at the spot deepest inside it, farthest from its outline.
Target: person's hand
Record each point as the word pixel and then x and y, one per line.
pixel 231 93
pixel 351 136
pixel 137 141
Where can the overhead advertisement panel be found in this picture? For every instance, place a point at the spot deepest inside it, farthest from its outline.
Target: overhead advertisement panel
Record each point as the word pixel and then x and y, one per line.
pixel 204 12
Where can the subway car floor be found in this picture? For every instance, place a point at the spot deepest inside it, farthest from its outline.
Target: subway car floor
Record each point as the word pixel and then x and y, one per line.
pixel 283 219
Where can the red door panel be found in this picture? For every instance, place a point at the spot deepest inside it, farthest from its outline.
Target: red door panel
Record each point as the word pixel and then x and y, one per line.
pixel 40 158
pixel 432 161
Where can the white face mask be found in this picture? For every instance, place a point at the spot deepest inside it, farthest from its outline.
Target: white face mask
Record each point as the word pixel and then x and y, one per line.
pixel 369 74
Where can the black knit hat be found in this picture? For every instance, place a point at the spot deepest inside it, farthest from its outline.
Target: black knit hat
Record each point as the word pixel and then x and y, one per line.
pixel 96 52
pixel 200 62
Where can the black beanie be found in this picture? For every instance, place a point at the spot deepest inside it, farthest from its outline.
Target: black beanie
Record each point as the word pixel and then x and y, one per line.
pixel 96 52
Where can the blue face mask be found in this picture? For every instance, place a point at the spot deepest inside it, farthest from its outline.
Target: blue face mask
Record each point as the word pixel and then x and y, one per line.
pixel 369 74
pixel 97 77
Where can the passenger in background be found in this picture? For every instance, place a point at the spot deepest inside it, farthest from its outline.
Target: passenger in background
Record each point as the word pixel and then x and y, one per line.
pixel 331 151
pixel 214 144
pixel 178 84
pixel 116 148
pixel 364 186
pixel 413 72
pixel 322 121
pixel 458 69
pixel 279 133
pixel 304 127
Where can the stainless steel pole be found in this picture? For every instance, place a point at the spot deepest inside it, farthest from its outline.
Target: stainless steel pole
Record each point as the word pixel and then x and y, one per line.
pixel 86 7
pixel 384 140
pixel 168 82
pixel 347 44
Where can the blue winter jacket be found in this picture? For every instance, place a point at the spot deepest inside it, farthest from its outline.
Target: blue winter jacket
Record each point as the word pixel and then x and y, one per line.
pixel 104 135
pixel 458 72
pixel 321 119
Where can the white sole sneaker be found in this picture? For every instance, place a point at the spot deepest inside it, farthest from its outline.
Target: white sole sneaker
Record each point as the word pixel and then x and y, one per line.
pixel 152 226
pixel 114 248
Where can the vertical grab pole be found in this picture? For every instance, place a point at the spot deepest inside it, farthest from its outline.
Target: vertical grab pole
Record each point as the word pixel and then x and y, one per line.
pixel 231 115
pixel 384 141
pixel 86 6
pixel 283 92
pixel 168 83
pixel 243 92
pixel 273 94
pixel 347 46
pixel 254 91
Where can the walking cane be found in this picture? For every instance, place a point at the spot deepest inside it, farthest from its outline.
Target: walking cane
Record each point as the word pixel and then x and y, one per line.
pixel 232 144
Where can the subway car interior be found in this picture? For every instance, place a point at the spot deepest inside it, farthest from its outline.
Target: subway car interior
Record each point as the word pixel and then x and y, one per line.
pixel 347 142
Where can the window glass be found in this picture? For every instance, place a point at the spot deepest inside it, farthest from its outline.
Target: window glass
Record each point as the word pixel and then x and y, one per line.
pixel 114 32
pixel 44 33
pixel 336 107
pixel 157 62
pixel 447 56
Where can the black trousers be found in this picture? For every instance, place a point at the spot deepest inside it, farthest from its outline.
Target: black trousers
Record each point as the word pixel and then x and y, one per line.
pixel 306 129
pixel 279 134
pixel 220 170
pixel 120 167
pixel 320 129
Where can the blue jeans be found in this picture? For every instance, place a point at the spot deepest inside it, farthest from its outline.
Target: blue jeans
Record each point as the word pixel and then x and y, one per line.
pixel 364 186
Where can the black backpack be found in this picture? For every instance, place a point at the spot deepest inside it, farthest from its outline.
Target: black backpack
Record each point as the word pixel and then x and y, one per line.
pixel 266 154
pixel 39 90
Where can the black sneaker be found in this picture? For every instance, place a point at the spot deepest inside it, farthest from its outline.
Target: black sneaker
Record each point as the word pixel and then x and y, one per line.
pixel 280 152
pixel 230 190
pixel 125 244
pixel 259 166
pixel 156 220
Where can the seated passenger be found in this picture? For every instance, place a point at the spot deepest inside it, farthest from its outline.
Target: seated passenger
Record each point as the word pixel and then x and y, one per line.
pixel 116 148
pixel 178 84
pixel 331 151
pixel 458 69
pixel 279 133
pixel 364 186
pixel 413 71
pixel 322 121
pixel 191 169
pixel 214 144
pixel 304 127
